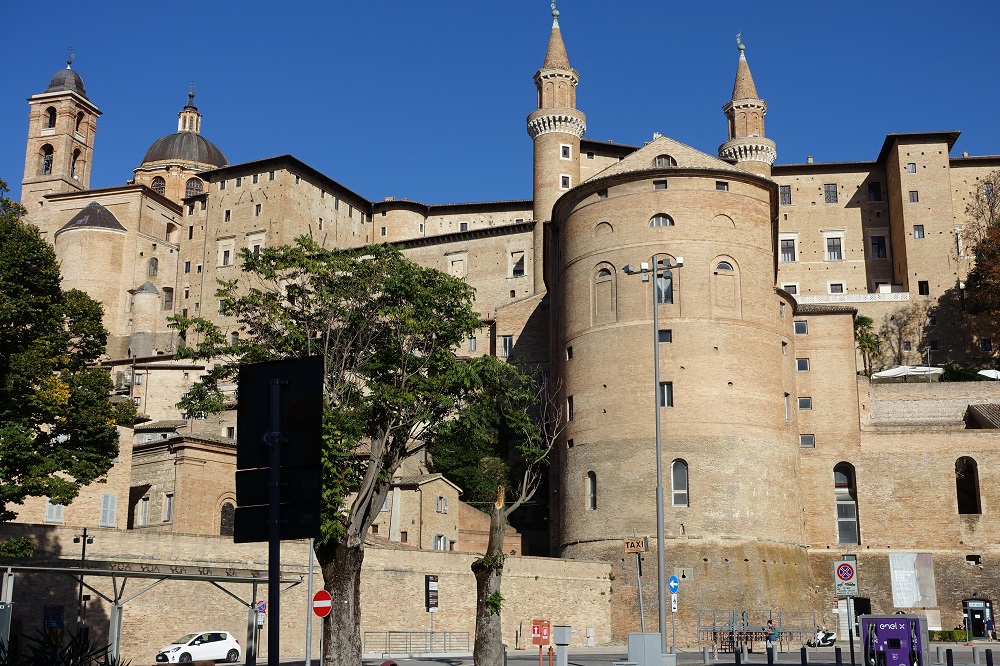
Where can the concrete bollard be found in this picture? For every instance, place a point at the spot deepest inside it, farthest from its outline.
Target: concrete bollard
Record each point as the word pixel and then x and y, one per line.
pixel 739 656
pixel 949 657
pixel 989 657
pixel 975 654
pixel 743 649
pixel 838 655
pixel 940 654
pixel 704 655
pixel 770 654
pixel 804 654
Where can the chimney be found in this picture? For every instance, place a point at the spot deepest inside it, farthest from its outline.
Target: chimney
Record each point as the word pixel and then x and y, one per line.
pixel 809 159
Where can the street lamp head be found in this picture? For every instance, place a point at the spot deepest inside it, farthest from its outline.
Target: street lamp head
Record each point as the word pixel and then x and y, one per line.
pixel 679 262
pixel 644 266
pixel 629 269
pixel 90 540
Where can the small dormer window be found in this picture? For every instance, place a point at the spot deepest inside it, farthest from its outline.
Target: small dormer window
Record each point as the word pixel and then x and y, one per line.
pixel 664 161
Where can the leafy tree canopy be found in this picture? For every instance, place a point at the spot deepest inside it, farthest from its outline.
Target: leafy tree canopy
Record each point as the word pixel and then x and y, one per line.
pixel 57 428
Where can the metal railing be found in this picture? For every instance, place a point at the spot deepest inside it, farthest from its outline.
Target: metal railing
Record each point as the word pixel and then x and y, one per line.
pixel 415 642
pixel 728 630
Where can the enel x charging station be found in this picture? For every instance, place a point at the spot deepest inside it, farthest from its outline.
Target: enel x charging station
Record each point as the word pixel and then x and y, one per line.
pixel 895 640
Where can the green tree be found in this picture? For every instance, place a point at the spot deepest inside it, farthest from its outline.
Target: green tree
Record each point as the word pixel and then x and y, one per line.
pixel 982 285
pixel 57 429
pixel 867 340
pixel 387 329
pixel 500 444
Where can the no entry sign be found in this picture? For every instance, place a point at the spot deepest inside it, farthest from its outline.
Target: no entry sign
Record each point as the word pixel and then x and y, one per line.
pixel 845 578
pixel 322 603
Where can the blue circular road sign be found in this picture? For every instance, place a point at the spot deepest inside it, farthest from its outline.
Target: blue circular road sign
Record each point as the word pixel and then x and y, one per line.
pixel 673 584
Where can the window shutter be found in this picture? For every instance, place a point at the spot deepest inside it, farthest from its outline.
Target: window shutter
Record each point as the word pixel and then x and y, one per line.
pixel 109 510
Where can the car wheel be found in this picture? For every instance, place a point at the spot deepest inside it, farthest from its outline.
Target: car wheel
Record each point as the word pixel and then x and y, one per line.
pixel 184 657
pixel 233 656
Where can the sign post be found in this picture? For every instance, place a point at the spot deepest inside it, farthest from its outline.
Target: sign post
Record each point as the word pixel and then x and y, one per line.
pixel 845 580
pixel 674 583
pixel 540 636
pixel 638 545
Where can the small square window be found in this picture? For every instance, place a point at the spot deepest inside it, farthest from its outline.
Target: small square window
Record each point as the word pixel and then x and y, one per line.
pixel 985 344
pixel 879 247
pixel 834 249
pixel 659 184
pixel 830 193
pixel 787 250
pixel 590 154
pixel 722 186
pixel 836 287
pixel 802 364
pixel 602 194
pixel 805 403
pixel 923 288
pixel 565 152
pixel 934 345
pixel 918 231
pixel 665 336
pixel 564 182
pixel 807 441
pixel 914 196
pixel 907 346
pixel 792 289
pixel 874 192
pixel 801 328
pixel 911 167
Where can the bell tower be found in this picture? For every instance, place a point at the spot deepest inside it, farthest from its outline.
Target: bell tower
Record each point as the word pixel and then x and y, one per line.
pixel 747 145
pixel 62 122
pixel 556 128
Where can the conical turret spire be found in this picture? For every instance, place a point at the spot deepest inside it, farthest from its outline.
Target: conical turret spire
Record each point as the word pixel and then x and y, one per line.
pixel 555 55
pixel 744 87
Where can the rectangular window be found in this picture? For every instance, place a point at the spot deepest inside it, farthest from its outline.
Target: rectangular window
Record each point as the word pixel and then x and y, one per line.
pixel 564 182
pixel 911 167
pixel 722 186
pixel 517 264
pixel 190 209
pixel 565 152
pixel 168 507
pixel 190 232
pixel 847 521
pixel 385 505
pixel 420 227
pixel 923 288
pixel 665 336
pixel 472 344
pixel 590 154
pixel 463 226
pixel 807 441
pixel 53 512
pixel 657 185
pixel 785 195
pixel 168 298
pixel 441 504
pixel 879 248
pixel 227 216
pixel 109 510
pixel 384 231
pixel 270 175
pixel 801 328
pixel 222 185
pixel 440 542
pixel 198 268
pixel 506 345
pixel 985 344
pixel 918 231
pixel 239 182
pixel 805 403
pixel 830 193
pixel 802 364
pixel 569 353
pixel 569 408
pixel 934 345
pixel 914 196
pixel 874 192
pixel 322 194
pixel 143 513
pixel 788 250
pixel 256 210
pixel 788 408
pixel 834 249
pixel 226 257
pixel 792 289
pixel 666 394
pixel 255 178
pixel 836 287
pixel 350 210
pixel 907 346
pixel 601 194
pixel 187 266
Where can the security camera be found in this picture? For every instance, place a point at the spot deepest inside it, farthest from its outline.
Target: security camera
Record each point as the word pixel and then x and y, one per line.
pixel 680 262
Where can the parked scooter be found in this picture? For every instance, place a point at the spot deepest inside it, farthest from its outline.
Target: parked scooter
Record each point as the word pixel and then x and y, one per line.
pixel 823 638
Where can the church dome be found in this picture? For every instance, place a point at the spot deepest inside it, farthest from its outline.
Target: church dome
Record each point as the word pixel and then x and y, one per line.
pixel 67 79
pixel 185 147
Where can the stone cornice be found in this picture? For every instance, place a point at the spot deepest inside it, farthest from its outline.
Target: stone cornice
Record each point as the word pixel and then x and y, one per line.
pixel 548 121
pixel 749 149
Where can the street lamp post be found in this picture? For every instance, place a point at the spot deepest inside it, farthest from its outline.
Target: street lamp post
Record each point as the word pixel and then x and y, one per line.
pixel 83 540
pixel 656 269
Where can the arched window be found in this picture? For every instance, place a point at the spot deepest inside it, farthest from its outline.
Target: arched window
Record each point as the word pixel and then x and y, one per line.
pixel 664 161
pixel 50 117
pixel 79 122
pixel 661 220
pixel 665 288
pixel 227 519
pixel 591 491
pixel 193 187
pixel 845 492
pixel 679 483
pixel 603 228
pixel 47 158
pixel 72 164
pixel 603 274
pixel 723 266
pixel 154 265
pixel 967 486
pixel 159 185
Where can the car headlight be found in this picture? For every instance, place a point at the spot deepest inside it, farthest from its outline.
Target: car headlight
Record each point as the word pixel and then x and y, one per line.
pixel 174 649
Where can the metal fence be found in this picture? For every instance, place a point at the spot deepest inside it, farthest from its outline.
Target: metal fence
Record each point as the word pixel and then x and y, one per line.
pixel 415 642
pixel 729 630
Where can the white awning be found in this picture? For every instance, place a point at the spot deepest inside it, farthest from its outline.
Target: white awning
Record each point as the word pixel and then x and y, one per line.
pixel 992 374
pixel 904 371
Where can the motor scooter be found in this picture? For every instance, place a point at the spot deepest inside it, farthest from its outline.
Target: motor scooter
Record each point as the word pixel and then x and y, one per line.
pixel 823 638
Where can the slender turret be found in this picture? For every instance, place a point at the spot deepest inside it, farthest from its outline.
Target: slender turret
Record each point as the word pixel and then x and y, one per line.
pixel 747 145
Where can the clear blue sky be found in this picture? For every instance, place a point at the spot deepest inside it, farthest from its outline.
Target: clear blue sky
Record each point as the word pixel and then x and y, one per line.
pixel 427 100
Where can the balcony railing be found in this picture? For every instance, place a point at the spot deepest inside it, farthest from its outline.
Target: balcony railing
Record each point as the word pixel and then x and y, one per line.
pixel 416 642
pixel 893 297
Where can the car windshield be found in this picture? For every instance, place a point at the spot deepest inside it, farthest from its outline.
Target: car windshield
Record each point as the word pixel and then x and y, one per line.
pixel 184 639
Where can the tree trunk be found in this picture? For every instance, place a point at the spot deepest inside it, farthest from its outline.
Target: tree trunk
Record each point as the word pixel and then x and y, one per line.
pixel 341 566
pixel 488 650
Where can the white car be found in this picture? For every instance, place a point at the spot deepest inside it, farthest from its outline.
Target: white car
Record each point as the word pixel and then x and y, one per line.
pixel 205 646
